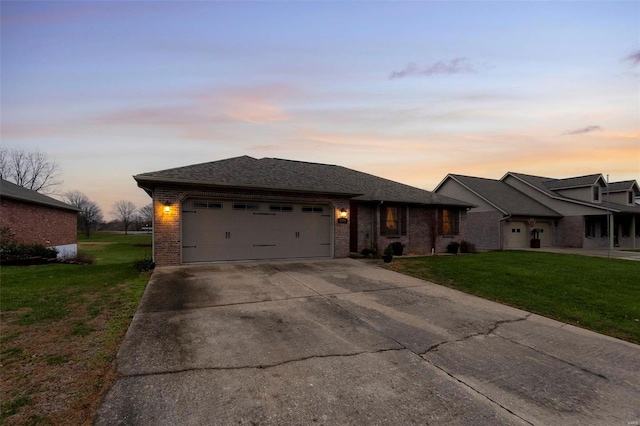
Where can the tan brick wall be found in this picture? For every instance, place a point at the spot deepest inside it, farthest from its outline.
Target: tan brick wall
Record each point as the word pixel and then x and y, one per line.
pixel 38 224
pixel 167 244
pixel 483 230
pixel 570 233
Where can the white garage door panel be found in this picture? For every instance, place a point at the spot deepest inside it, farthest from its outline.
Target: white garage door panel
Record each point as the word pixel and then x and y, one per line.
pixel 518 235
pixel 263 232
pixel 544 232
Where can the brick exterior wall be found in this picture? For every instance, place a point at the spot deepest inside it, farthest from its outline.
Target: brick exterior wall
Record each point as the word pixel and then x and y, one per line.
pixel 38 224
pixel 483 230
pixel 421 227
pixel 167 244
pixel 442 241
pixel 420 230
pixel 570 232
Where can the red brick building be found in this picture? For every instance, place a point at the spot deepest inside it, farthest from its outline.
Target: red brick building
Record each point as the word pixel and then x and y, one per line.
pixel 35 218
pixel 254 209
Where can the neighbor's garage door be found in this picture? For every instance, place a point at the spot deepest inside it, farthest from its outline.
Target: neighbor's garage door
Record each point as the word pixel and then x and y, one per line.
pixel 215 230
pixel 518 235
pixel 544 233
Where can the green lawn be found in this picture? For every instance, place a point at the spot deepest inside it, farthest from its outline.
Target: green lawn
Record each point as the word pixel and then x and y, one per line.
pixel 595 293
pixel 63 322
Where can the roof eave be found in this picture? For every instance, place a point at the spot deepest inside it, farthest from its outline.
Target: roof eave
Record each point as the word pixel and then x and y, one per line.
pixel 154 181
pixel 41 203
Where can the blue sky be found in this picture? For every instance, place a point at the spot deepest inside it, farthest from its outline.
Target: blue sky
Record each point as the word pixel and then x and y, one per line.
pixel 405 90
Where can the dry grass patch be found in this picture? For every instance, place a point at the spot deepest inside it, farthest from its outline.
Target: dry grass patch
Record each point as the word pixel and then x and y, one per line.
pixel 61 326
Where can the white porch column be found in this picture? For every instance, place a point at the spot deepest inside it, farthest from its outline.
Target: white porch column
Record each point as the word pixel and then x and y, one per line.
pixel 611 231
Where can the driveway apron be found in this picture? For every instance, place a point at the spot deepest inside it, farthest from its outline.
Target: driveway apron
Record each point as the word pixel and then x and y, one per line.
pixel 347 342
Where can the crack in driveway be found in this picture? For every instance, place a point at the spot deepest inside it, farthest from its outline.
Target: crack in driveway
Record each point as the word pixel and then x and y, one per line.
pixel 265 366
pixel 497 324
pixel 393 323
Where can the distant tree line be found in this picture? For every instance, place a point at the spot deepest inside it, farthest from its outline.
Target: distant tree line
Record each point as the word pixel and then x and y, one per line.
pixel 30 169
pixel 36 171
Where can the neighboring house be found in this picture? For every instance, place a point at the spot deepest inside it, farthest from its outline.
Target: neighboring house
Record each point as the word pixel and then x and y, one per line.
pixel 248 209
pixel 568 212
pixel 35 218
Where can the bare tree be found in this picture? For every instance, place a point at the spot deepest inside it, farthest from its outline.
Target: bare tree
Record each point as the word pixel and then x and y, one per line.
pixel 30 169
pixel 90 213
pixel 125 211
pixel 146 214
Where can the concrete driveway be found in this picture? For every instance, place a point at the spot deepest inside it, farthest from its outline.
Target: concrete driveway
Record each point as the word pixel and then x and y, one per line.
pixel 338 342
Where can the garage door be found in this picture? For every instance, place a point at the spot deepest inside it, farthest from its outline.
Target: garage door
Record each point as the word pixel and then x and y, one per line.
pixel 214 230
pixel 518 235
pixel 544 233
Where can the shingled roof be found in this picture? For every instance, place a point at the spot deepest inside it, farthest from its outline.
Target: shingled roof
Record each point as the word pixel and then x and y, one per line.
pixel 550 185
pixel 295 176
pixel 545 185
pixel 573 182
pixel 623 186
pixel 504 197
pixel 12 191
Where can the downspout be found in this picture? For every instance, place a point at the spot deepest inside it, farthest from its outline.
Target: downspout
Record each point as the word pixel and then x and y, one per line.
pixel 507 217
pixel 376 229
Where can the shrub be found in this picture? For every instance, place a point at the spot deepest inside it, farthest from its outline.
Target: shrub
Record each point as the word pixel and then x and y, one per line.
pixel 388 251
pixel 397 248
pixel 145 264
pixel 453 247
pixel 467 247
pixel 38 250
pixel 367 252
pixel 12 250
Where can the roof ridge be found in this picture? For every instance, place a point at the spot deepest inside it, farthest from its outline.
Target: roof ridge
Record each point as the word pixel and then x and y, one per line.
pixel 306 175
pixel 297 161
pixel 476 177
pixel 577 177
pixel 197 164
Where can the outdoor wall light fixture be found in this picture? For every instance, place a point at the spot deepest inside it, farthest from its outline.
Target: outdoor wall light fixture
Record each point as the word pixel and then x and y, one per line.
pixel 343 216
pixel 167 207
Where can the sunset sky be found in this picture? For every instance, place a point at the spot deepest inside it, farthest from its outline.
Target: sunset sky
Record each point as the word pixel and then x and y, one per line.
pixel 409 91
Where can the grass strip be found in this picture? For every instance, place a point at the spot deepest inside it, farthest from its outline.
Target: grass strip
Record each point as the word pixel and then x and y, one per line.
pixel 599 294
pixel 61 326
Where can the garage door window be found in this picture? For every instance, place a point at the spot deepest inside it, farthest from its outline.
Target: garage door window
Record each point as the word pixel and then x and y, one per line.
pixel 280 208
pixel 246 206
pixel 207 205
pixel 312 209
